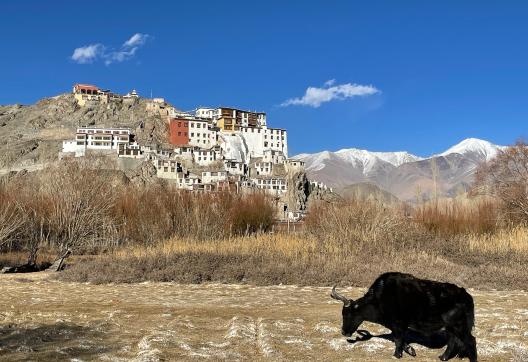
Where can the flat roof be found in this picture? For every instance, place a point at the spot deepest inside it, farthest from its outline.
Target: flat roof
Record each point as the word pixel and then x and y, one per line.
pixel 112 128
pixel 86 86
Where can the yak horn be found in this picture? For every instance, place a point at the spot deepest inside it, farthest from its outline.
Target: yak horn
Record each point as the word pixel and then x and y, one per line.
pixel 340 297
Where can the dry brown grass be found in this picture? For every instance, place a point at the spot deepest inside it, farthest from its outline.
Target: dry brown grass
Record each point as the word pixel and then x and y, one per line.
pixel 502 241
pixel 290 259
pixel 74 205
pixel 349 242
pixel 160 233
pixel 457 216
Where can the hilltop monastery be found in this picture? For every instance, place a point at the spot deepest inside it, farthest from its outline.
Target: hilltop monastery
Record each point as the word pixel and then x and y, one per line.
pixel 211 149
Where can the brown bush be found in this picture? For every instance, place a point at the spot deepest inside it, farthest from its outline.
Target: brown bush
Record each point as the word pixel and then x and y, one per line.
pixel 73 205
pixel 355 225
pixel 10 217
pixel 250 214
pixel 505 177
pixel 269 259
pixel 451 217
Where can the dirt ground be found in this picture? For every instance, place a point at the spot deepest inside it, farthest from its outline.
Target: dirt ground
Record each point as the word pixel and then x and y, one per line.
pixel 43 319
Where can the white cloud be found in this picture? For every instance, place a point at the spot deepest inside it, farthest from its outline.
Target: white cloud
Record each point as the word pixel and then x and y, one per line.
pixel 314 96
pixel 119 56
pixel 329 83
pixel 96 52
pixel 136 40
pixel 87 54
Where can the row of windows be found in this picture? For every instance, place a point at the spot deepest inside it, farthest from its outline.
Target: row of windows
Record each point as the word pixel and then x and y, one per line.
pixel 271 137
pixel 101 131
pixel 273 187
pixel 272 182
pixel 276 131
pixel 169 163
pixel 166 169
pixel 193 124
pixel 266 144
pixel 200 135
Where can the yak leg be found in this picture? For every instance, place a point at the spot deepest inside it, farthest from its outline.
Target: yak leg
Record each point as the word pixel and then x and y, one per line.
pixel 398 341
pixel 468 346
pixel 408 348
pixel 451 350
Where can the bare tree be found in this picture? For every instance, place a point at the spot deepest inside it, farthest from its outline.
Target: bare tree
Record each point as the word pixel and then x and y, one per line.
pixel 506 178
pixel 81 199
pixel 10 222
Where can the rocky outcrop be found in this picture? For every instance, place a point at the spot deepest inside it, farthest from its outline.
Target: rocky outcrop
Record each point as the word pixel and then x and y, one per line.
pixel 301 193
pixel 298 191
pixel 144 174
pixel 33 134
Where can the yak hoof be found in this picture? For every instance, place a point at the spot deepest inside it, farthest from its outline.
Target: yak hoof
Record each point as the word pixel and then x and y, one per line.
pixel 410 350
pixel 443 358
pixel 398 354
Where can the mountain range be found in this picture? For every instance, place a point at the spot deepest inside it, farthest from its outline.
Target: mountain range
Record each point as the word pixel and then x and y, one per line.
pixel 402 174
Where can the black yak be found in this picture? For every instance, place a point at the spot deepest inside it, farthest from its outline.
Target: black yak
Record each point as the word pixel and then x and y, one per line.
pixel 402 303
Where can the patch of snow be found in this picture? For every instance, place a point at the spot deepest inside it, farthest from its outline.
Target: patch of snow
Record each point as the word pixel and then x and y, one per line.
pixel 302 342
pixel 357 158
pixel 340 343
pixel 488 348
pixel 325 328
pixel 263 339
pixel 481 148
pixel 241 329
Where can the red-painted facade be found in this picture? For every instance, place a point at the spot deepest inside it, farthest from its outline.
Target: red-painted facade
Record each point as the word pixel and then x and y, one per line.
pixel 179 132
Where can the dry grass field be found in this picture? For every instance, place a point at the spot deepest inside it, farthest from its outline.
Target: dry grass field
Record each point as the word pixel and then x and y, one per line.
pixel 43 319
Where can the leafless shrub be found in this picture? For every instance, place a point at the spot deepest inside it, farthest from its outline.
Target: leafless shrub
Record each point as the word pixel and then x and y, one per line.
pixel 352 225
pixel 10 220
pixel 79 204
pixel 75 205
pixel 506 178
pixel 250 214
pixel 451 217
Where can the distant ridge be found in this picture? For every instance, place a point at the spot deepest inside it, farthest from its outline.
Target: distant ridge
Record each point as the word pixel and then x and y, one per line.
pixel 401 173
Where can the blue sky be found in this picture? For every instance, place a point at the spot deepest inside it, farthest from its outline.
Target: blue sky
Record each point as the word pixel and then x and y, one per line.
pixel 404 75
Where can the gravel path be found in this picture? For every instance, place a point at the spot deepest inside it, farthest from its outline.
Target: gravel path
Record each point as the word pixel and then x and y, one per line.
pixel 42 319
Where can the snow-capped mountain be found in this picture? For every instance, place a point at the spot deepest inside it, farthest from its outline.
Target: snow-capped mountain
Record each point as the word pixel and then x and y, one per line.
pixel 475 148
pixel 364 159
pixel 401 173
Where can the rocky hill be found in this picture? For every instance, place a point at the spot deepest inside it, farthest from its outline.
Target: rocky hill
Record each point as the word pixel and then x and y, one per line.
pixel 33 134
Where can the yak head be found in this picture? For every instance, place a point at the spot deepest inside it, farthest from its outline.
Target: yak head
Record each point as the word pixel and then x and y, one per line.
pixel 352 317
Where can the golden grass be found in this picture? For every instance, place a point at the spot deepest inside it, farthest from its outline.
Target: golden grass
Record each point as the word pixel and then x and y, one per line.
pixel 293 246
pixel 503 241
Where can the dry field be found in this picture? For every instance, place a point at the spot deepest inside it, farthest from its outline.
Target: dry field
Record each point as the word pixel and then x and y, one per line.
pixel 44 319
